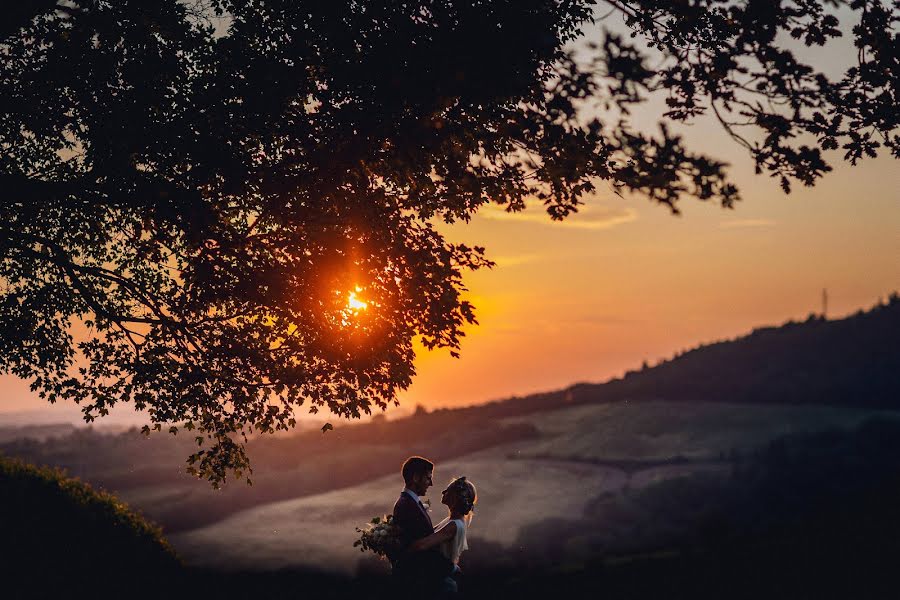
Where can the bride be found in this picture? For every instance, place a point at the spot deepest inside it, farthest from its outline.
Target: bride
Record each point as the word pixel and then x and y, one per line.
pixel 450 534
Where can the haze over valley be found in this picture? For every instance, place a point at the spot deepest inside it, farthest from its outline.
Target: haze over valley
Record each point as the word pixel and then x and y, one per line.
pixel 581 461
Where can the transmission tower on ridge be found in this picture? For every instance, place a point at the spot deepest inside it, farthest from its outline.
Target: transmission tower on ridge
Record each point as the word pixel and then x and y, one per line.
pixel 824 302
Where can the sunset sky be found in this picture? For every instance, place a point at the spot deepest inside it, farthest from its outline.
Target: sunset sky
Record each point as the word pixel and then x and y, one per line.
pixel 624 280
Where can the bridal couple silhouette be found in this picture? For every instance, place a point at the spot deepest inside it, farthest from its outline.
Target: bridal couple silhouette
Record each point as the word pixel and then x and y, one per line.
pixel 427 564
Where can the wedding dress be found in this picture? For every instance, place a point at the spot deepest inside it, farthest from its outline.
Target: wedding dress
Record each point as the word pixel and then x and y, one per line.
pixel 455 546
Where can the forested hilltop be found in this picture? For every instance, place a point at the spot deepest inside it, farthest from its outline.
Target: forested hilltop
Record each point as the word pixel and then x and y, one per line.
pixel 854 361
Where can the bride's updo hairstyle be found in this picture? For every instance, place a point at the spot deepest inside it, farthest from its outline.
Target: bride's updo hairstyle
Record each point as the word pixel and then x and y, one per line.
pixel 465 492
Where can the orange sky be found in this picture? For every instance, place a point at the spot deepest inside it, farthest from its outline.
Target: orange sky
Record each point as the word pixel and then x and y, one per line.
pixel 625 281
pixel 583 302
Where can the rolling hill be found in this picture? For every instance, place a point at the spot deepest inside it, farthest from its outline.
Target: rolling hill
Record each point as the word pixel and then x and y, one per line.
pixel 854 361
pixel 540 459
pixel 581 455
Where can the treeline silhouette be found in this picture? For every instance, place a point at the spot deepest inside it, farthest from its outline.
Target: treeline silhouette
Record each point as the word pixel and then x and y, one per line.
pixel 853 361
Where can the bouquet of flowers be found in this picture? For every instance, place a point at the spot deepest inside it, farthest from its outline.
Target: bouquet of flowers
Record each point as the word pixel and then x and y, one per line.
pixel 380 536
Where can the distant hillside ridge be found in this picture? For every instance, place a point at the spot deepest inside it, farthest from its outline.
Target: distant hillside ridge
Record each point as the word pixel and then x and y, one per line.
pixel 854 361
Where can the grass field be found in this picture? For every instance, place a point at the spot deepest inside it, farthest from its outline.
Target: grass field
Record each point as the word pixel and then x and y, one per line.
pixel 524 487
pixel 658 430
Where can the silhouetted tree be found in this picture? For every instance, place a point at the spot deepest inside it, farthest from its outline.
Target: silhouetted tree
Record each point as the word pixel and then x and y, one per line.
pixel 203 184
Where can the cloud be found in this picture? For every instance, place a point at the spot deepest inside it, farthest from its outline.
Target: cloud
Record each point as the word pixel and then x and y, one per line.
pixel 588 216
pixel 747 223
pixel 515 260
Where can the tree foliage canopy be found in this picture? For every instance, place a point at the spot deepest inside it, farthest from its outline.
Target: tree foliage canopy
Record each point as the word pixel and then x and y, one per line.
pixel 192 190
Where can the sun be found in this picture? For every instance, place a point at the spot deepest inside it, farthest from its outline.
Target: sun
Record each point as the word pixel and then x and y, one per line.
pixel 354 303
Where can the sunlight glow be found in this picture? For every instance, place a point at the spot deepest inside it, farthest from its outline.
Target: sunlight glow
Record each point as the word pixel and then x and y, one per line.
pixel 354 303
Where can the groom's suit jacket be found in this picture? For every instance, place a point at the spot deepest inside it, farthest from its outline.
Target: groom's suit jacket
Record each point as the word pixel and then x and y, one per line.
pixel 414 524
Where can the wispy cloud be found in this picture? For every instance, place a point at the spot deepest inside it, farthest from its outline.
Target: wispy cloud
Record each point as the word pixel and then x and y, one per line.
pixel 514 260
pixel 587 217
pixel 747 223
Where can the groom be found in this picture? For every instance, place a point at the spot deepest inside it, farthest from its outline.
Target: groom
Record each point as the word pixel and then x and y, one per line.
pixel 425 569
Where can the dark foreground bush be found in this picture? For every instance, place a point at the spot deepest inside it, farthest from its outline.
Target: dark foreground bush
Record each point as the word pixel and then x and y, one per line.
pixel 60 538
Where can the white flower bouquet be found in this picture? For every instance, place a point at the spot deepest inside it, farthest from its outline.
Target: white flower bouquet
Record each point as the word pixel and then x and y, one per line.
pixel 380 536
